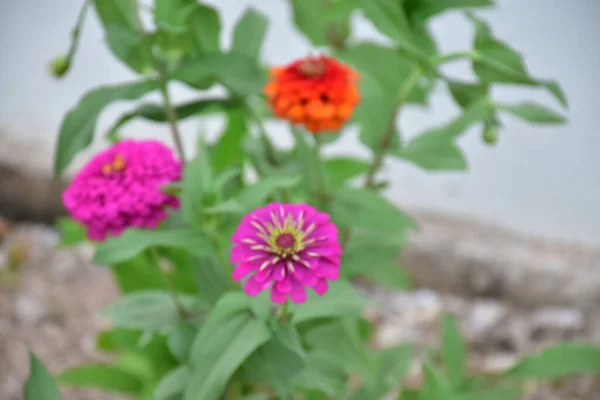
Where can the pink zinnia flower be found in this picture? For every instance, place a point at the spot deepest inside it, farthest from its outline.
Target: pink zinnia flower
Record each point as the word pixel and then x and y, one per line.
pixel 286 247
pixel 121 188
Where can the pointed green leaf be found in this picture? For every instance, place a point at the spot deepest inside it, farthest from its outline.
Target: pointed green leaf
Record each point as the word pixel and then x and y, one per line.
pixel 559 361
pixel 107 378
pixel 249 33
pixel 340 300
pixel 77 128
pixel 150 310
pixel 453 351
pixel 172 384
pixel 206 29
pixel 534 113
pixel 341 169
pixel 124 37
pixel 134 241
pixel 40 385
pixel 238 72
pixel 229 336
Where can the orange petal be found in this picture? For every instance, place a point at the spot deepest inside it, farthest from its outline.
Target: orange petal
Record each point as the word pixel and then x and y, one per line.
pixel 296 113
pixel 344 111
pixel 271 89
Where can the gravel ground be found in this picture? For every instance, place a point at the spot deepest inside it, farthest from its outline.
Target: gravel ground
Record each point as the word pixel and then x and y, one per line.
pixel 49 303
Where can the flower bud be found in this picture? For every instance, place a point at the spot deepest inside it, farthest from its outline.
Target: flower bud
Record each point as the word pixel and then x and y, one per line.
pixel 59 66
pixel 490 134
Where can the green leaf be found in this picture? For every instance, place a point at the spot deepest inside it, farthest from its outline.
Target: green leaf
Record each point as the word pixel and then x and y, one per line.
pixel 156 112
pixel 228 150
pixel 229 336
pixel 499 393
pixel 390 19
pixel 534 113
pixel 206 28
pixel 180 340
pixel 275 362
pixel 558 361
pixel 104 377
pixel 239 73
pixel 366 209
pixel 172 384
pixel 342 342
pixel 341 169
pixel 495 61
pixel 380 85
pixel 323 24
pixel 198 187
pixel 77 128
pixel 150 310
pixel 433 155
pixel 137 274
pixel 40 384
pixel 453 351
pixel 71 232
pixel 323 374
pixel 435 386
pixel 134 241
pixel 465 93
pixel 340 300
pixel 211 279
pixel 375 259
pixel 124 37
pixel 255 195
pixel 428 8
pixel 479 111
pixel 249 33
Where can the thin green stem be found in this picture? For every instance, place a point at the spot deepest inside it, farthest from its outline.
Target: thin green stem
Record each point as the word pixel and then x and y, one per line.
pixel 171 289
pixel 163 80
pixel 170 110
pixel 77 29
pixel 452 57
pixel 322 194
pixel 283 315
pixel 390 129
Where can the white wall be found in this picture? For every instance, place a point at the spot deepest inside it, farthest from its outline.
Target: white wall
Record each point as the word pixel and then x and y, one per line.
pixel 542 180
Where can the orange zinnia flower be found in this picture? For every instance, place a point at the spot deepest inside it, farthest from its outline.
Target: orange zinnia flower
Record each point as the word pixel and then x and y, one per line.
pixel 318 92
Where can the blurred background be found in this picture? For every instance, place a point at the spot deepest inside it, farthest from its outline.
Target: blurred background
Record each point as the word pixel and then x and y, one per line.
pixel 512 246
pixel 538 180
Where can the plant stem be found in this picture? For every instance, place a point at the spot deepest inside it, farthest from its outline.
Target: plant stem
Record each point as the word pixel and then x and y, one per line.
pixel 77 29
pixel 171 289
pixel 322 195
pixel 452 57
pixel 390 129
pixel 163 81
pixel 284 311
pixel 170 110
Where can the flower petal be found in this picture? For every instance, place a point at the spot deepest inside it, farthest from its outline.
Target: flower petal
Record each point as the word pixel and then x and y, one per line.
pixel 321 287
pixel 242 269
pixel 298 293
pixel 277 296
pixel 252 288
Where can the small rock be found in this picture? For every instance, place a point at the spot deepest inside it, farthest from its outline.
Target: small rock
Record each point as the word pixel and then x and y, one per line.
pixel 31 310
pixel 556 322
pixel 483 317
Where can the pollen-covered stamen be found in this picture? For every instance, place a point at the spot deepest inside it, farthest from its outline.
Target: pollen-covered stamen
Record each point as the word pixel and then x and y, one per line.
pixel 312 67
pixel 116 165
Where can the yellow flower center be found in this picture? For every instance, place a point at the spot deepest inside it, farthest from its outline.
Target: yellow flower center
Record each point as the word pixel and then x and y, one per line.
pixel 284 239
pixel 116 165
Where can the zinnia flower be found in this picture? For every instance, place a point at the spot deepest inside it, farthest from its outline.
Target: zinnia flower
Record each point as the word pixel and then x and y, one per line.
pixel 286 247
pixel 319 92
pixel 121 188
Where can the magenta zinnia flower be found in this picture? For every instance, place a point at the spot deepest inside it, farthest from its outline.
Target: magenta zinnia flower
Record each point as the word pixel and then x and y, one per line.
pixel 286 247
pixel 121 188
